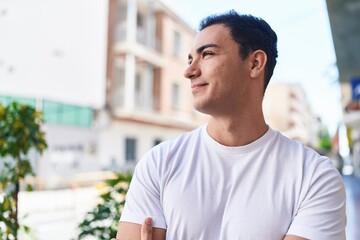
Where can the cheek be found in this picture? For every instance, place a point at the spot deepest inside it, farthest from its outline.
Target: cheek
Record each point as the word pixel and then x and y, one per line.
pixel 219 73
pixel 225 76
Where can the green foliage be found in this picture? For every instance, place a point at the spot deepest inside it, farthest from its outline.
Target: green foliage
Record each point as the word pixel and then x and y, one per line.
pixel 20 132
pixel 102 221
pixel 324 140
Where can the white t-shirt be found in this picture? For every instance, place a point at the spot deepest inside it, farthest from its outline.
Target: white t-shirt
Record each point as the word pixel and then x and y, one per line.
pixel 198 189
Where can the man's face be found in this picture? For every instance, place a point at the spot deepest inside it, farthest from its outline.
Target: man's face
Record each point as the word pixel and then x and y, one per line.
pixel 219 77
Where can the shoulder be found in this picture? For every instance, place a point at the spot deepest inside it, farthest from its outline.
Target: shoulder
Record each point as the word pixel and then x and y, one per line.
pixel 320 202
pixel 296 150
pixel 317 171
pixel 303 162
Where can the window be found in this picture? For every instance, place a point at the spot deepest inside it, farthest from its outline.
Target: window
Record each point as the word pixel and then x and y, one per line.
pixel 157 141
pixel 140 20
pixel 6 100
pixel 177 44
pixel 175 96
pixel 121 11
pixel 119 87
pixel 58 113
pixel 130 149
pixel 139 91
pixel 65 114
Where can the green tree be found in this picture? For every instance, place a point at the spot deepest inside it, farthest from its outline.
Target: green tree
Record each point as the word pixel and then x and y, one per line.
pixel 324 140
pixel 20 132
pixel 102 221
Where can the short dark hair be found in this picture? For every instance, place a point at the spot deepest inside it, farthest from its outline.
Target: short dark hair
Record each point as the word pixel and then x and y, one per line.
pixel 251 34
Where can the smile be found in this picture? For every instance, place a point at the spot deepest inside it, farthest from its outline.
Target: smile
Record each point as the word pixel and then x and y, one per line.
pixel 197 86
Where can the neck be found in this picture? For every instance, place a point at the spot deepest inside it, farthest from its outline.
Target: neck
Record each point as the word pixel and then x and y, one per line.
pixel 237 131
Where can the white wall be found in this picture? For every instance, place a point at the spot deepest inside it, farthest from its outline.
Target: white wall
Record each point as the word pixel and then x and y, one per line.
pixel 54 49
pixel 111 141
pixel 71 150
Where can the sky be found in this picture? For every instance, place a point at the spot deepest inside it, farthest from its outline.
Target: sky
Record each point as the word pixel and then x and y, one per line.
pixel 305 46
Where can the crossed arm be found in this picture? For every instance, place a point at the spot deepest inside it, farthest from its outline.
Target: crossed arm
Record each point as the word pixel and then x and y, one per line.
pixel 133 231
pixel 145 231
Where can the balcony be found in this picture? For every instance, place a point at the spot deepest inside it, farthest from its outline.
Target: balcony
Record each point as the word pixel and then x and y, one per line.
pixel 142 37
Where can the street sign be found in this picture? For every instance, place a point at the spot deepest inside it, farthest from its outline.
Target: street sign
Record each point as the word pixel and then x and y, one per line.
pixel 355 87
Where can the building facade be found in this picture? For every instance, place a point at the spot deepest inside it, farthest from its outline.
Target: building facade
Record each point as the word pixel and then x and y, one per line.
pixel 148 99
pixel 287 110
pixel 145 97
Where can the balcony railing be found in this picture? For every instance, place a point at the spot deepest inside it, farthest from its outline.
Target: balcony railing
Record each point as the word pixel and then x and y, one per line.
pixel 142 37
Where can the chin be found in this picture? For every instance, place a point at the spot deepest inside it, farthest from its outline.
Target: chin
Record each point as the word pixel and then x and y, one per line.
pixel 201 108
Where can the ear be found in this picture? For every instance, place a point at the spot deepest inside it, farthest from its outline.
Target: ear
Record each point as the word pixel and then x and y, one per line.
pixel 258 62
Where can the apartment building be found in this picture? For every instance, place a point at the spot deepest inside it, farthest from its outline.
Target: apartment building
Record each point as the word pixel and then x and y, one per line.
pixel 97 119
pixel 287 110
pixel 61 72
pixel 148 99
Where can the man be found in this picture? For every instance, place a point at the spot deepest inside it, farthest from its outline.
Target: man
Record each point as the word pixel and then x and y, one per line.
pixel 234 178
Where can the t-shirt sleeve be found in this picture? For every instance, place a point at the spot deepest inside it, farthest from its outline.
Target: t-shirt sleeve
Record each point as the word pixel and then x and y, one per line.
pixel 143 197
pixel 321 214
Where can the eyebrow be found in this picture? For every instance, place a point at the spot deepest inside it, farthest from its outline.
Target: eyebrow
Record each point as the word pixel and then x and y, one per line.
pixel 202 48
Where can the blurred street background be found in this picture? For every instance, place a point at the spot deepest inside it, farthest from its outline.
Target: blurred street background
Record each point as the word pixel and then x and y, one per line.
pixel 107 77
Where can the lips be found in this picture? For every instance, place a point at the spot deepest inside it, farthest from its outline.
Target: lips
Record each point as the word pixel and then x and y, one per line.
pixel 196 86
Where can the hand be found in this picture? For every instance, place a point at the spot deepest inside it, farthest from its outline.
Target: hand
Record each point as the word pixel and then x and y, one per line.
pixel 146 229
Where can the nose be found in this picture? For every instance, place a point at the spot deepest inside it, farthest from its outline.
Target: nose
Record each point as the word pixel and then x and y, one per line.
pixel 192 71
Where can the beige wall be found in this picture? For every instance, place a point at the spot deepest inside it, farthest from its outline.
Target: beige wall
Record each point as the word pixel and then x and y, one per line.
pixel 173 72
pixel 287 110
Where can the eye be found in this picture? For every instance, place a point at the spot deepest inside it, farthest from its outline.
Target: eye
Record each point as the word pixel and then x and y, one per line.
pixel 189 61
pixel 206 53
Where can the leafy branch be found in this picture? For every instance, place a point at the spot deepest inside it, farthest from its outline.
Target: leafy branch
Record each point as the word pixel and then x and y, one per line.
pixel 20 132
pixel 101 223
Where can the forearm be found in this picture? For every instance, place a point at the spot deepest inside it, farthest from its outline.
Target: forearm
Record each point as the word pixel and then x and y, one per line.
pixel 133 231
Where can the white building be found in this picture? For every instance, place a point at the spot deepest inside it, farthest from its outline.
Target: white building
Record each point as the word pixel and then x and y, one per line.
pixel 53 56
pixel 106 74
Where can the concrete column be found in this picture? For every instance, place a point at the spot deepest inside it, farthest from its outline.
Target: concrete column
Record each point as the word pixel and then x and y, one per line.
pixel 131 20
pixel 129 81
pixel 148 87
